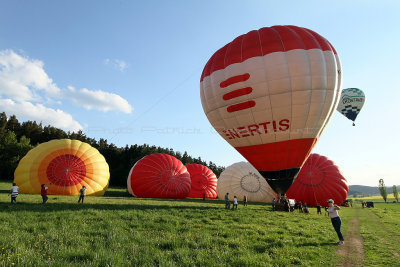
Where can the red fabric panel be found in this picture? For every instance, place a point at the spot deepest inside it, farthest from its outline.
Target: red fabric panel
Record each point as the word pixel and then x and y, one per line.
pixel 204 181
pixel 265 41
pixel 319 180
pixel 278 156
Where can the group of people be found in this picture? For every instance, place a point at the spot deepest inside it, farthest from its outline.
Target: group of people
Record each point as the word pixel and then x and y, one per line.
pixel 235 202
pixel 43 192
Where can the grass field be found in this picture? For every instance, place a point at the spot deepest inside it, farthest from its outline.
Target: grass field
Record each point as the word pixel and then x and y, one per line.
pixel 121 230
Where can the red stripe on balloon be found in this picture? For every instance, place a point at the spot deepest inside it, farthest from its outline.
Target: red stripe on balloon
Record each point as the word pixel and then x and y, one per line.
pixel 237 93
pixel 234 79
pixel 241 106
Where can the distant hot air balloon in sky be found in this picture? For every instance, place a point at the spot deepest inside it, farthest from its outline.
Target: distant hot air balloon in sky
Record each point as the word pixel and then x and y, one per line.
pixel 242 179
pixel 351 102
pixel 204 181
pixel 270 94
pixel 319 180
pixel 159 176
pixel 67 165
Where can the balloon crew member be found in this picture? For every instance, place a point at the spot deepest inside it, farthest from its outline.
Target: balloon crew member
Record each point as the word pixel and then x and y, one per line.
pixel 227 202
pixel 204 196
pixel 336 221
pixel 14 193
pixel 235 203
pixel 245 201
pixel 43 193
pixel 273 204
pixel 82 193
pixel 319 209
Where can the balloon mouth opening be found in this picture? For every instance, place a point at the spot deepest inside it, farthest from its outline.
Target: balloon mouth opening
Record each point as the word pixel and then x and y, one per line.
pixel 280 181
pixel 66 170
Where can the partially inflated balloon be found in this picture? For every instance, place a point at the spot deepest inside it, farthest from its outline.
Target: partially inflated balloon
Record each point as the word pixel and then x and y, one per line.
pixel 67 165
pixel 351 102
pixel 319 180
pixel 270 93
pixel 203 180
pixel 159 176
pixel 242 179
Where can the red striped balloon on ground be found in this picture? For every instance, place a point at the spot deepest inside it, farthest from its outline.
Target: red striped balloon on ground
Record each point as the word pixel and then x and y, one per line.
pixel 204 181
pixel 270 93
pixel 159 176
pixel 319 180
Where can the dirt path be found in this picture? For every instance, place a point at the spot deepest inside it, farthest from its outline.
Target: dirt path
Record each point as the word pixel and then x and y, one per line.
pixel 352 251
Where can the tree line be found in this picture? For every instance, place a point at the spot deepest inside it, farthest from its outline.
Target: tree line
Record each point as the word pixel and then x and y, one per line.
pixel 16 139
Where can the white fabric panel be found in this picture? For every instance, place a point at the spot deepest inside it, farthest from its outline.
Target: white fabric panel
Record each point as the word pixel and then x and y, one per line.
pixel 242 179
pixel 299 85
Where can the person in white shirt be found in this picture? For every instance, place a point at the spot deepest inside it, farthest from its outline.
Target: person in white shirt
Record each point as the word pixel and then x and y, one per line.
pixel 14 193
pixel 235 202
pixel 335 218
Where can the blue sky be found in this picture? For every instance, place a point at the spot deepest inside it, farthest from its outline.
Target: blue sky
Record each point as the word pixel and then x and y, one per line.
pixel 129 71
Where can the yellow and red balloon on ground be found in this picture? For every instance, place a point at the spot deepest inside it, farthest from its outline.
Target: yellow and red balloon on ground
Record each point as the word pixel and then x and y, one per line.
pixel 65 164
pixel 270 94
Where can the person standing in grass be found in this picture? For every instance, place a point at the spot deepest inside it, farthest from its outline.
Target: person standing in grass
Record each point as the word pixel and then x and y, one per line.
pixel 14 193
pixel 227 202
pixel 43 193
pixel 82 193
pixel 235 203
pixel 245 201
pixel 319 209
pixel 335 218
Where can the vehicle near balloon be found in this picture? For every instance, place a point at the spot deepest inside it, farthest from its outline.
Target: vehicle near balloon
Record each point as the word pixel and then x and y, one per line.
pixel 351 102
pixel 203 182
pixel 242 179
pixel 270 94
pixel 319 179
pixel 65 164
pixel 159 176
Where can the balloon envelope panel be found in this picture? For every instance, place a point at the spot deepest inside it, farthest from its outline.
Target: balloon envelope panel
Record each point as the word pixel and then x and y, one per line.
pixel 65 164
pixel 270 93
pixel 204 181
pixel 319 180
pixel 242 179
pixel 160 176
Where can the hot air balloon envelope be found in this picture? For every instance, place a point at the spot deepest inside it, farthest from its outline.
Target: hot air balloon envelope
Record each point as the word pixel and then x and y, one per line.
pixel 67 165
pixel 159 176
pixel 351 102
pixel 203 180
pixel 242 179
pixel 319 180
pixel 270 93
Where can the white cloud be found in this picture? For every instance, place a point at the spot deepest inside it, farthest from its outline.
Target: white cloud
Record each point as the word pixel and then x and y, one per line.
pixel 116 63
pixel 24 81
pixel 98 100
pixel 22 78
pixel 40 113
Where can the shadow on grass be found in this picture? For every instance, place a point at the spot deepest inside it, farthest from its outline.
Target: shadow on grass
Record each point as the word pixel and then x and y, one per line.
pixel 51 207
pixel 316 244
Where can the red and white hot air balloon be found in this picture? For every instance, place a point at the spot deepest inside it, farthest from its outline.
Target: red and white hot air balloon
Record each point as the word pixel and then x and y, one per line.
pixel 204 181
pixel 270 93
pixel 159 176
pixel 319 180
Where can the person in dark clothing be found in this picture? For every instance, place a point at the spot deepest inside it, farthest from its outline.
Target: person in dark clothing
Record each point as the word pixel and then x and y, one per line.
pixel 82 193
pixel 319 209
pixel 227 202
pixel 244 200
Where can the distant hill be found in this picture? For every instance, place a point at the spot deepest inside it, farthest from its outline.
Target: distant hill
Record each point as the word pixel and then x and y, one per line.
pixel 368 190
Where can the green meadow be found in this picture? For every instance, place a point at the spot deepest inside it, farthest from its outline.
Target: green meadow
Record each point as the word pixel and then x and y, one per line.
pixel 118 229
